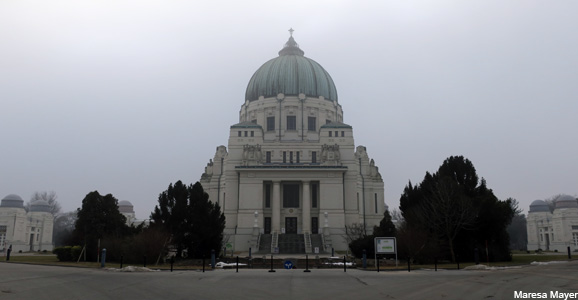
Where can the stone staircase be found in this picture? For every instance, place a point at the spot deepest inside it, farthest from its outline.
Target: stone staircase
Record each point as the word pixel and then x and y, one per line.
pixel 317 241
pixel 291 244
pixel 265 243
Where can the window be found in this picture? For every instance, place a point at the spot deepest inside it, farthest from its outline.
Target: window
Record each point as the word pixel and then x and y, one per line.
pixel 336 133
pixel 575 238
pixel 297 158
pixel 252 133
pixel 327 121
pixel 291 123
pixel 240 134
pixel 375 198
pixel 3 236
pixel 254 121
pixel 342 133
pixel 284 156
pixel 270 123
pixel 291 156
pixel 330 133
pixel 268 157
pixel 312 123
pixel 267 195
pixel 314 199
pixel 245 133
pixel 313 157
pixel 291 195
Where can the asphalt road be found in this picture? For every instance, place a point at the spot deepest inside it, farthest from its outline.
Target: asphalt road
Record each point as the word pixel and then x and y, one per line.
pixel 21 281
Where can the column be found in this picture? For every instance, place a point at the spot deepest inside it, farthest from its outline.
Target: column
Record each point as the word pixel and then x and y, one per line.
pixel 276 208
pixel 306 208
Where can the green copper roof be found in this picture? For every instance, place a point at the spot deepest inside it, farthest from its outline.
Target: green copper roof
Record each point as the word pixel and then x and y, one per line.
pixel 291 74
pixel 246 125
pixel 336 125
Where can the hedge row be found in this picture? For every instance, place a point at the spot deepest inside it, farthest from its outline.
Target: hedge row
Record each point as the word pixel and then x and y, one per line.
pixel 67 253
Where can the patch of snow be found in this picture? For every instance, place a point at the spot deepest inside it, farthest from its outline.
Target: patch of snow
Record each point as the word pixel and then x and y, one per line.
pixel 226 265
pixel 543 263
pixel 132 269
pixel 484 267
pixel 350 264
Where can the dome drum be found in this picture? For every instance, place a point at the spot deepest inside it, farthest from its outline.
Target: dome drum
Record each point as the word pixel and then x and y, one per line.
pixel 12 200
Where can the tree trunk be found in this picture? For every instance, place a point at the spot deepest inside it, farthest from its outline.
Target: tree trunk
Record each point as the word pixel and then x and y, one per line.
pixel 451 242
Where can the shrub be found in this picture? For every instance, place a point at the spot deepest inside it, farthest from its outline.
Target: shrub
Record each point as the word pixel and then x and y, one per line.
pixel 67 253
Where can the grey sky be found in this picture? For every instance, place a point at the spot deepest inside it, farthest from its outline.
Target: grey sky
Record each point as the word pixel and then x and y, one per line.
pixel 125 97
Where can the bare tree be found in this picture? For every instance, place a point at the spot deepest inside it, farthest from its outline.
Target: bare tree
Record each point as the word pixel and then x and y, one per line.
pixel 354 232
pixel 552 201
pixel 63 227
pixel 49 197
pixel 448 211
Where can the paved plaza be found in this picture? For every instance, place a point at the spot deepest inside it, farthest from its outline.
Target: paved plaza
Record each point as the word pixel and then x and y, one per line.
pixel 22 281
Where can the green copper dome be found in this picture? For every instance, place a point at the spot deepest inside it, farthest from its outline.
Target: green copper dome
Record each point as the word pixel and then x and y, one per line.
pixel 291 74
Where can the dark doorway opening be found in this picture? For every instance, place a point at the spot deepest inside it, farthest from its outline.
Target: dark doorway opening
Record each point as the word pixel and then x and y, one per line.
pixel 291 225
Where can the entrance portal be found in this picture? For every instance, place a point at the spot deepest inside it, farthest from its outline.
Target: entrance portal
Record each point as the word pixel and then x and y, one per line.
pixel 267 225
pixel 291 225
pixel 315 225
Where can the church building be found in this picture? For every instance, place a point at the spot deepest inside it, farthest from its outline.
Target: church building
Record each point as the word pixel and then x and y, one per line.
pixel 291 178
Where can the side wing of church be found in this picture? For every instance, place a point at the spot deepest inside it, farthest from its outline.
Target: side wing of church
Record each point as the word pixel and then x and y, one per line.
pixel 291 178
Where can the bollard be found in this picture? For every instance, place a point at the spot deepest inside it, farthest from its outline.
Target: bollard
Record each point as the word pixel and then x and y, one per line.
pixel 203 264
pixel 477 256
pixel 172 262
pixel 8 253
pixel 409 264
pixel 569 253
pixel 237 264
pixel 121 259
pixel 365 259
pixel 212 258
pixel 249 252
pixel 344 264
pixel 145 261
pixel 377 263
pixel 332 252
pixel 436 263
pixel 271 264
pixel 307 264
pixel 103 258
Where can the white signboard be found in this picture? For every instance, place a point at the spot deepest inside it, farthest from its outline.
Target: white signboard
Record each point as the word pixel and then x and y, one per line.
pixel 385 245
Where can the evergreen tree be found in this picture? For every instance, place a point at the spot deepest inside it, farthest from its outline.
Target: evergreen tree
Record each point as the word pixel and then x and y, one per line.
pixel 195 223
pixel 386 227
pixel 98 218
pixel 359 241
pixel 455 207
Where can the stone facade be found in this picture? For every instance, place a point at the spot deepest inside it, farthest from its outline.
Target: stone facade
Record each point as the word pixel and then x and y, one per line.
pixel 555 229
pixel 291 165
pixel 25 231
